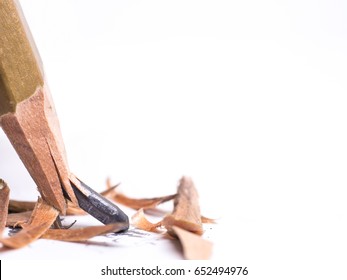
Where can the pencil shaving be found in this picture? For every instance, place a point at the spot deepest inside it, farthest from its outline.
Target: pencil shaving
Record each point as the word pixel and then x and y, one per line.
pixel 16 206
pixel 184 223
pixel 43 212
pixel 17 219
pixel 81 234
pixel 194 246
pixel 4 201
pixel 144 203
pixel 206 220
pixel 25 236
pixel 140 221
pixel 110 191
pixel 186 213
pixel 40 221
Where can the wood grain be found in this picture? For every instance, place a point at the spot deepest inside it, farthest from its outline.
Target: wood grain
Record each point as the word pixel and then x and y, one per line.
pixel 29 131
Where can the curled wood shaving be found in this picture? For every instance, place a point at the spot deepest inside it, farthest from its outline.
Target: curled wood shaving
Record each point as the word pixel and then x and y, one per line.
pixel 134 203
pixel 110 191
pixel 43 212
pixel 108 183
pixel 156 212
pixel 40 221
pixel 185 222
pixel 17 206
pixel 73 210
pixel 81 234
pixel 194 246
pixel 140 221
pixel 4 201
pixel 145 203
pixel 206 220
pixel 186 213
pixel 25 236
pixel 17 219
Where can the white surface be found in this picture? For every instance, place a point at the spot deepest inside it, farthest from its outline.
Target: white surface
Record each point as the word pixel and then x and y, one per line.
pixel 246 97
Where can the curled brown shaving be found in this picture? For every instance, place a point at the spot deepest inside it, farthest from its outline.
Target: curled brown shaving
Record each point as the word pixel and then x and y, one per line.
pixel 194 246
pixel 40 221
pixel 140 221
pixel 81 234
pixel 17 219
pixel 144 203
pixel 184 223
pixel 186 213
pixel 25 236
pixel 73 210
pixel 110 191
pixel 17 206
pixel 4 201
pixel 206 220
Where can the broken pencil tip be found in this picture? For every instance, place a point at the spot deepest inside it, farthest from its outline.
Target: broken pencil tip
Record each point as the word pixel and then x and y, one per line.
pixel 98 206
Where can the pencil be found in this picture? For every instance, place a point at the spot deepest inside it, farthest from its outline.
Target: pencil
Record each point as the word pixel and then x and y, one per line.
pixel 27 113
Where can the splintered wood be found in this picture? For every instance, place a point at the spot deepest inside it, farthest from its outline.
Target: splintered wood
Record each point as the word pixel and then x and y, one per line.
pixel 16 206
pixel 27 114
pixel 32 132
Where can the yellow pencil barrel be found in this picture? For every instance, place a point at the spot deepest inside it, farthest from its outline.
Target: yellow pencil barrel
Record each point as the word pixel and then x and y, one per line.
pixel 20 65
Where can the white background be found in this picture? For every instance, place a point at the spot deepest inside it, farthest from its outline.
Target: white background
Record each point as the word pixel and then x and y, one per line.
pixel 246 97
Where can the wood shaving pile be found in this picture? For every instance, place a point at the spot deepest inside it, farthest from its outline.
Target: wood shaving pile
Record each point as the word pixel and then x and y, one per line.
pixel 40 220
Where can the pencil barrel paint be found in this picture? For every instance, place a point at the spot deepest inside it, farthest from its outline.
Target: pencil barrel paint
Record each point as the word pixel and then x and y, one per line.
pixel 21 70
